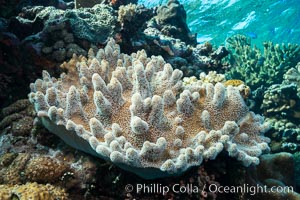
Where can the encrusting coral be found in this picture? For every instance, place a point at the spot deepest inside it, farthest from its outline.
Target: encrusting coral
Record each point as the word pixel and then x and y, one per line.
pixel 32 191
pixel 134 111
pixel 281 106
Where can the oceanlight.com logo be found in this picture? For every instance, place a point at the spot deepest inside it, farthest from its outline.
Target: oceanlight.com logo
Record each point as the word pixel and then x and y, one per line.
pixel 157 188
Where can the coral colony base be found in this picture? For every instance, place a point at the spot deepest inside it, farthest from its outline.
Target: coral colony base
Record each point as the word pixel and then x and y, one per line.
pixel 135 112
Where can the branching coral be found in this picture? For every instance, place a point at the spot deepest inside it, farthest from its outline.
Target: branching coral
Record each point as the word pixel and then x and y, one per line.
pixel 134 111
pixel 258 68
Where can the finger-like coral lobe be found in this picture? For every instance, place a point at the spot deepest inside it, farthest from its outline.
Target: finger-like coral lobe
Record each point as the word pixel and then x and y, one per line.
pixel 135 111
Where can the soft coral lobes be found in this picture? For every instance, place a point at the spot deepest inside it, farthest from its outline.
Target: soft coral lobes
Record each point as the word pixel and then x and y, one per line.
pixel 134 111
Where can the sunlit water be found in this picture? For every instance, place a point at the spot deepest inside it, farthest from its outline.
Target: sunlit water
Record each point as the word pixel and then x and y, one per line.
pixel 215 20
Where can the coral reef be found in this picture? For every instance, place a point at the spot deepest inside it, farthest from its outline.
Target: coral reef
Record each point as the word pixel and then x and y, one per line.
pixel 128 13
pixel 148 115
pixel 155 30
pixel 40 37
pixel 53 35
pixel 258 68
pixel 114 3
pixel 17 132
pixel 11 166
pixel 18 118
pixel 164 32
pixel 61 169
pixel 58 42
pixel 30 154
pixel 132 19
pixel 198 59
pixel 32 191
pixel 207 58
pixel 134 111
pixel 244 89
pixel 281 106
pixel 212 77
pixel 12 8
pixel 94 24
pixel 282 101
pixel 44 169
pixel 18 168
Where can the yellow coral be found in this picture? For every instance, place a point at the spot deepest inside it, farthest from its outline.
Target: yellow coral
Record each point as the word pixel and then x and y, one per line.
pixel 234 82
pixel 44 169
pixel 11 172
pixel 244 89
pixel 32 191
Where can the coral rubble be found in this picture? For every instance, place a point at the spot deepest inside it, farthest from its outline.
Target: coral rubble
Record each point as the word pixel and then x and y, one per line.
pixel 135 111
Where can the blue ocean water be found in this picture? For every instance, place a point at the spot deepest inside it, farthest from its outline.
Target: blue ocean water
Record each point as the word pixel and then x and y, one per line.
pixel 215 20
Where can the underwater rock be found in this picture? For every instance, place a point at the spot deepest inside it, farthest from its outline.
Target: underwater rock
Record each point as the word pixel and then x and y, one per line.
pixel 7 8
pixel 132 17
pixel 219 53
pixel 297 169
pixel 273 166
pixel 166 34
pixel 274 170
pixel 87 4
pixel 134 111
pixel 3 24
pixel 171 20
pixel 205 58
pixel 12 74
pixel 114 3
